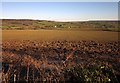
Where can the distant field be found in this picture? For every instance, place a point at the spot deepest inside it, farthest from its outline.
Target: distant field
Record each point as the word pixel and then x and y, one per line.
pixel 26 24
pixel 48 35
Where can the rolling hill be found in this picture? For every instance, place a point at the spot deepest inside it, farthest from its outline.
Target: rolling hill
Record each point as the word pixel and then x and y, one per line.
pixel 27 24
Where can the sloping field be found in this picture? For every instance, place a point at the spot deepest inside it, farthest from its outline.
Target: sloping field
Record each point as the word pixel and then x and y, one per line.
pixel 48 35
pixel 26 60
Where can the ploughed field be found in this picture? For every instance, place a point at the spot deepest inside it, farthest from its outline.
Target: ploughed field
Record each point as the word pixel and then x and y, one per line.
pixel 66 61
pixel 60 56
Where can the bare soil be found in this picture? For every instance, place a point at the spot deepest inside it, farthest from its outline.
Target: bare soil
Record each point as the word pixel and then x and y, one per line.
pixel 48 35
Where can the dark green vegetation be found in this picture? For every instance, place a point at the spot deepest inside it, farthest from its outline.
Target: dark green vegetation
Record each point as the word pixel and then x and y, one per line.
pixel 43 24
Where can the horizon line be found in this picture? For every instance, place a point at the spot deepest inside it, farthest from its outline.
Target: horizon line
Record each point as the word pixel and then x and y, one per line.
pixel 60 20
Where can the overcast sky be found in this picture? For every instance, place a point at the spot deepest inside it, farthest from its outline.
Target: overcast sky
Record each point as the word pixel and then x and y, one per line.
pixel 60 11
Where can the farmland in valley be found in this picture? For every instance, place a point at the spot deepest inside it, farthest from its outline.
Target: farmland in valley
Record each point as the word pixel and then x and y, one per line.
pixel 26 24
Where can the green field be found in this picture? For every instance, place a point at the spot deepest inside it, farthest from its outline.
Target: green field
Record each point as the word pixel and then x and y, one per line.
pixel 26 24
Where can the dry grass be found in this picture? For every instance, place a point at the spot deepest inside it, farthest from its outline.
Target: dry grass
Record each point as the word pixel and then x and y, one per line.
pixel 46 35
pixel 60 61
